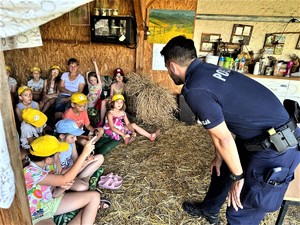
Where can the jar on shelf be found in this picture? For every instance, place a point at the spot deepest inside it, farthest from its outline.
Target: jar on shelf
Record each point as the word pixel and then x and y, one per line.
pixel 103 11
pixel 109 12
pixel 115 12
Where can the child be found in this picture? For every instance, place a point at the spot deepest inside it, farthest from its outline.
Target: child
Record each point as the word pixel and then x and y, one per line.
pixel 34 121
pixel 71 81
pixel 12 84
pixel 117 87
pixel 95 88
pixel 50 90
pixel 36 83
pixel 25 98
pixel 118 126
pixel 67 131
pixel 78 113
pixel 40 184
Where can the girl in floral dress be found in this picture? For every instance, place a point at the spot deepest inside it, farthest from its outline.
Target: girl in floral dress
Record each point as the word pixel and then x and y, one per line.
pixel 46 191
pixel 117 125
pixel 95 88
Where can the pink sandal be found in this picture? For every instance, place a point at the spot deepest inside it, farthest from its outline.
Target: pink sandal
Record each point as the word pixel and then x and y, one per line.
pixel 111 175
pixel 154 135
pixel 111 183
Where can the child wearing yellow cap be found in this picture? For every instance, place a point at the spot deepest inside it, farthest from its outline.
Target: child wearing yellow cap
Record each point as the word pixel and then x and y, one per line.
pixel 78 113
pixel 117 87
pixel 117 125
pixel 46 191
pixel 12 83
pixel 50 89
pixel 36 83
pixel 34 122
pixel 25 101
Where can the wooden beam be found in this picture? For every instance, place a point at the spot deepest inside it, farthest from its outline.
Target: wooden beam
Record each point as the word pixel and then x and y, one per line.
pixel 222 17
pixel 139 9
pixel 18 213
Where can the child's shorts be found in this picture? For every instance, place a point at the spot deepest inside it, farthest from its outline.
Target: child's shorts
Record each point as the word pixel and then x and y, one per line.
pixel 50 210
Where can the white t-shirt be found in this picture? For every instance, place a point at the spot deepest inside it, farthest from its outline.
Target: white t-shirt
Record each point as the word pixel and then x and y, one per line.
pixel 65 158
pixel 28 131
pixel 11 82
pixel 36 86
pixel 71 85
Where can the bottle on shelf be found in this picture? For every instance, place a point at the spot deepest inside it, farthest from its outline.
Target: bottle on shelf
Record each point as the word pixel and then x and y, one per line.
pixel 262 65
pixel 221 61
pixel 277 67
pixel 241 65
pixel 236 64
pixel 256 69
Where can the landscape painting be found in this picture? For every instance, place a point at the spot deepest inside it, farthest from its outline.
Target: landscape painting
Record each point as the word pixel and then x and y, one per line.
pixel 166 24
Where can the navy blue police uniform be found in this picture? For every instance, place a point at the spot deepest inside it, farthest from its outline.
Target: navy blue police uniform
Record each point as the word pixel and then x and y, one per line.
pixel 216 94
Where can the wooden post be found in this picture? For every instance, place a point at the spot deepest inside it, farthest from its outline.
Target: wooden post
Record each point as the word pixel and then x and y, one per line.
pixel 18 213
pixel 139 7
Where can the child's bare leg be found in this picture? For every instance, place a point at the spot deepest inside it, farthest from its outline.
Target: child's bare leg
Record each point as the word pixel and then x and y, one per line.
pixel 103 111
pixel 145 133
pixel 48 104
pixel 92 166
pixel 42 103
pixel 79 185
pixel 140 130
pixel 88 200
pixel 99 134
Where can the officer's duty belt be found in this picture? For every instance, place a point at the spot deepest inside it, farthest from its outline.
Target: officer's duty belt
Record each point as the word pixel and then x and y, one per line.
pixel 280 139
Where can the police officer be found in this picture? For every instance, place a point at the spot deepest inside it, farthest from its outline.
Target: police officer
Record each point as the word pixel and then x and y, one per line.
pixel 255 168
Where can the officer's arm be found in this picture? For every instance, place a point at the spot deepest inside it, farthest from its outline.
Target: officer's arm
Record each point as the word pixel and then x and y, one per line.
pixel 225 146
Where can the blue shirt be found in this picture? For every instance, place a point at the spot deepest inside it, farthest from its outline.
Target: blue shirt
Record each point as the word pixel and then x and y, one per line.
pixel 216 94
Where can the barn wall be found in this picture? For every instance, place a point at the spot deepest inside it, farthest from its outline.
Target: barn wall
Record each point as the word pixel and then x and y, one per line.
pixel 62 41
pixel 250 9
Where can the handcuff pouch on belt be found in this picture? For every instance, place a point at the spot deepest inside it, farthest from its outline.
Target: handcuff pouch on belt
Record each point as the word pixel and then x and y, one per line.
pixel 281 138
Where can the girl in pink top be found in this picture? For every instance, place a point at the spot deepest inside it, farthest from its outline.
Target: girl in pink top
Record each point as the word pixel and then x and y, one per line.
pixel 118 126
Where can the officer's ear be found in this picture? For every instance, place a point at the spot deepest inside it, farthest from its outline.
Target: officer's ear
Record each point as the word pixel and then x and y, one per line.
pixel 173 67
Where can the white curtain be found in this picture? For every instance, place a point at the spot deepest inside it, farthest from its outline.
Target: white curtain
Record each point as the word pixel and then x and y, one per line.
pixel 20 20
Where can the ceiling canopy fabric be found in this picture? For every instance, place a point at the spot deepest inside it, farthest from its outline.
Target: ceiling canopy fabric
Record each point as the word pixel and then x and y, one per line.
pixel 19 20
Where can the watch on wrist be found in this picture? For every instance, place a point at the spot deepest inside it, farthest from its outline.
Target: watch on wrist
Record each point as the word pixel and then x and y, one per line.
pixel 236 177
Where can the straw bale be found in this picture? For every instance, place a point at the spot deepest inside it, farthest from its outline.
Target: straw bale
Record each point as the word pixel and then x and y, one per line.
pixel 158 176
pixel 154 105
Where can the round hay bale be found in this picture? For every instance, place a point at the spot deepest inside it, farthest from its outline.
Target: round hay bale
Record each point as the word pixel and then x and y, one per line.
pixel 150 102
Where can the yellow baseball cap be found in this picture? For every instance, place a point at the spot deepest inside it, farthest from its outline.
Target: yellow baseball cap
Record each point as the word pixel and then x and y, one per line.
pixel 55 67
pixel 79 98
pixel 36 68
pixel 8 68
pixel 47 145
pixel 22 89
pixel 118 97
pixel 34 117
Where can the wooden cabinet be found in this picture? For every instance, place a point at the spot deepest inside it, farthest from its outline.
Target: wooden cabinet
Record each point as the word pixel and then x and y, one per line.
pixel 283 88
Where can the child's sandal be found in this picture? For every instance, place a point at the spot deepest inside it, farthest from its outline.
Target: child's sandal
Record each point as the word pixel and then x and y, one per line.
pixel 104 204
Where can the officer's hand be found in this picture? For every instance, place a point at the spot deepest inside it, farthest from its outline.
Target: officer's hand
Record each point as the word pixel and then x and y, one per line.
pixel 216 162
pixel 234 195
